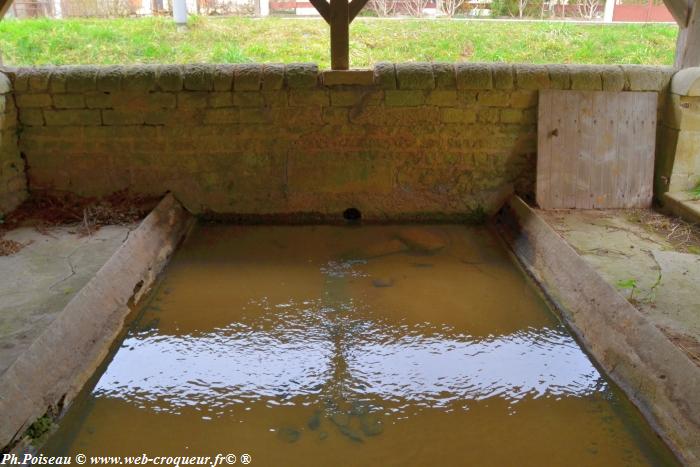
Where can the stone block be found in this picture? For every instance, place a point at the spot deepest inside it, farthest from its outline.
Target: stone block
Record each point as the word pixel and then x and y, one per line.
pixel 301 75
pixel 444 74
pixel 169 78
pixel 585 78
pixel 30 80
pixel 273 76
pixel 80 78
pixel 223 77
pixel 109 79
pixel 443 98
pixel 221 116
pixel 308 97
pixel 69 101
pixel 221 99
pixel 613 78
pixel 494 98
pixel 198 77
pixel 274 98
pixel 522 99
pixel 502 76
pixel 248 99
pixel 559 77
pixel 139 78
pixel 57 81
pixel 488 115
pixel 454 115
pixel 347 77
pixel 122 117
pixel 82 117
pixel 343 98
pixel 28 101
pixel 192 100
pixel 31 117
pixel 645 78
pixel 385 75
pixel 532 77
pixel 247 77
pixel 404 98
pixel 336 115
pixel 473 76
pixel 411 76
pixel 98 100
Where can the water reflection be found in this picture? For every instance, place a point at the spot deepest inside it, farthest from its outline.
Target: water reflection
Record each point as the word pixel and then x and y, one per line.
pixel 381 345
pixel 294 354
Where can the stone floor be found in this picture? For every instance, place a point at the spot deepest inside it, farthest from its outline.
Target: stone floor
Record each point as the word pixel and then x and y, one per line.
pixel 661 278
pixel 39 280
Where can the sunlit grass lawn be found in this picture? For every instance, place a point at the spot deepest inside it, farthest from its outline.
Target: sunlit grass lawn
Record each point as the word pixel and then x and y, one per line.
pixel 235 40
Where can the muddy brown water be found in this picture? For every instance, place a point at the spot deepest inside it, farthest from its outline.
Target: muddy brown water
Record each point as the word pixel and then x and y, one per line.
pixel 376 345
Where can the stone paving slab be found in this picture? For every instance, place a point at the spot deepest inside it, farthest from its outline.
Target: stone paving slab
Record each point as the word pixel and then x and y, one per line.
pixel 37 282
pixel 624 252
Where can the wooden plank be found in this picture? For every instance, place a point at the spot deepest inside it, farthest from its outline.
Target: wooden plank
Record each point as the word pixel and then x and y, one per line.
pixel 544 149
pixel 323 8
pixel 607 107
pixel 648 148
pixel 628 151
pixel 569 138
pixel 584 196
pixel 559 147
pixel 340 34
pixel 596 170
pixel 635 168
pixel 619 170
pixel 595 149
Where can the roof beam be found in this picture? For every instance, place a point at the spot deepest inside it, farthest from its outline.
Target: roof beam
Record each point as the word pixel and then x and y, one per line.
pixel 323 8
pixel 355 7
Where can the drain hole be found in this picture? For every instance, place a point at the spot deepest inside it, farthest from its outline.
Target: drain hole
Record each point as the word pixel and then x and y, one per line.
pixel 352 214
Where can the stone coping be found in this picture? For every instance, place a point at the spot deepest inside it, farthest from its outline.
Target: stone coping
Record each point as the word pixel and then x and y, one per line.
pixel 270 77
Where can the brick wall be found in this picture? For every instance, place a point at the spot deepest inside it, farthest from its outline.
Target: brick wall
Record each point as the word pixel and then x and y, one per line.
pixel 13 189
pixel 399 141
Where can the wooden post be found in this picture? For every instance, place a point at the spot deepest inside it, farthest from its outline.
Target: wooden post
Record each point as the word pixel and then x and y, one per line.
pixel 339 14
pixel 340 35
pixel 688 43
pixel 4 6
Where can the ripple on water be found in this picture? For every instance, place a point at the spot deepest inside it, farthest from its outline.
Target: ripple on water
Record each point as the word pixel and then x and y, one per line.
pixel 297 353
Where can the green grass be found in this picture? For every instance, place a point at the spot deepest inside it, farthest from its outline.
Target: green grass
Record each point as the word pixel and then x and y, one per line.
pixel 695 192
pixel 236 40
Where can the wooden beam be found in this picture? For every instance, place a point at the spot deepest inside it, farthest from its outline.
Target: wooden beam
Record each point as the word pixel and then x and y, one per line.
pixel 323 8
pixel 340 34
pixel 355 7
pixel 680 9
pixel 339 14
pixel 4 6
pixel 688 43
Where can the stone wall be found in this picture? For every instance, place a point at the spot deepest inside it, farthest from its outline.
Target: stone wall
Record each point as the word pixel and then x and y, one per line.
pixel 13 188
pixel 678 152
pixel 399 141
